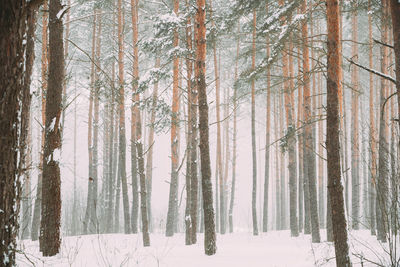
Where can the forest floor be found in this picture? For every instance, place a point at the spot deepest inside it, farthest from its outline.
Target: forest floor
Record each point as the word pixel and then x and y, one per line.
pixel 241 249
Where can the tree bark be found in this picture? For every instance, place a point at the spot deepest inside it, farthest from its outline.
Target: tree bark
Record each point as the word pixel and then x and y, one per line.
pixel 50 238
pixel 332 142
pixel 12 31
pixel 210 247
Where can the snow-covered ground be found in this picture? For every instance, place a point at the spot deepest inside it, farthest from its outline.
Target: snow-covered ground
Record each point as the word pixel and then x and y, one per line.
pixel 234 250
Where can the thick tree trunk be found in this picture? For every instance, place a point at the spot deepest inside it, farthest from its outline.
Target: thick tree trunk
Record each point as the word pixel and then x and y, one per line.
pixel 12 31
pixel 50 238
pixel 332 142
pixel 173 189
pixel 210 247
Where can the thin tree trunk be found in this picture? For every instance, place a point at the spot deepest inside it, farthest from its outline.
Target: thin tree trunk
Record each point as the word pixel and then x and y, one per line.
pixel 372 133
pixel 253 130
pixel 383 168
pixel 44 61
pixel 134 110
pixel 235 106
pixel 355 148
pixel 122 137
pixel 267 136
pixel 300 147
pixel 88 224
pixel 210 247
pixel 309 157
pixel 25 134
pixel 173 189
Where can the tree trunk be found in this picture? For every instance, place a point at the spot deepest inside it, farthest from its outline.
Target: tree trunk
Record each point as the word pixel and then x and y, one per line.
pixel 372 133
pixel 395 11
pixel 210 247
pixel 173 189
pixel 50 238
pixel 44 61
pixel 12 31
pixel 332 142
pixel 267 136
pixel 309 156
pixel 287 69
pixel 235 106
pixel 253 130
pixel 300 147
pixel 25 143
pixel 134 110
pixel 122 137
pixel 355 148
pixel 149 161
pixel 88 224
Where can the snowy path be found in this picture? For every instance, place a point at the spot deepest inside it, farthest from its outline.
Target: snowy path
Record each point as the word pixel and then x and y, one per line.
pixel 234 250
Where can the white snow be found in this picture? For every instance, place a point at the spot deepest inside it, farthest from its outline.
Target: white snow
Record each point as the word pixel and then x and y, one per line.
pixel 234 250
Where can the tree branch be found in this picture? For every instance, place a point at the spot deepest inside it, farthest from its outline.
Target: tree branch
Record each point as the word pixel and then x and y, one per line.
pixel 382 75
